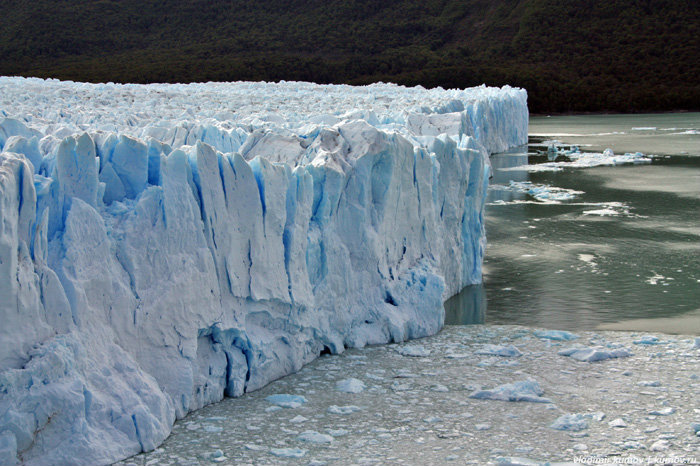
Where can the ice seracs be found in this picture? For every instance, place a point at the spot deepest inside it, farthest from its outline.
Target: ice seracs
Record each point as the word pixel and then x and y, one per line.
pixel 164 246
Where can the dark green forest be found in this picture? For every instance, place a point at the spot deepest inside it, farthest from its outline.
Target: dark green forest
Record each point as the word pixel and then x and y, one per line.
pixel 571 55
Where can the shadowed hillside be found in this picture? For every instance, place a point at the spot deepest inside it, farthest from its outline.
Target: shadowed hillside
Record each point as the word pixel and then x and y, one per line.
pixel 584 55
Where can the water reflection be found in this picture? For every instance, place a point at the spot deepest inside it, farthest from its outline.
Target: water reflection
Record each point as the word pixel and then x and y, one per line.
pixel 468 307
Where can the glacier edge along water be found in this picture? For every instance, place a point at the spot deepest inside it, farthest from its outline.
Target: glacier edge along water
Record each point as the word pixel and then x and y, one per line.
pixel 163 246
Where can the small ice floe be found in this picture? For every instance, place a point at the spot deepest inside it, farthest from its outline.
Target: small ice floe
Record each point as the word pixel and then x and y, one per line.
pixel 311 436
pixel 585 160
pixel 645 128
pixel 544 193
pixel 617 423
pixel 217 456
pixel 647 340
pixel 338 432
pixel 414 351
pixel 288 452
pixel 662 412
pixel 351 385
pixel 594 354
pixel 333 409
pixel 660 445
pixel 212 429
pixel 284 400
pixel 570 422
pixel 432 419
pixel 649 383
pixel 633 445
pixel 525 390
pixel 298 419
pixel 508 351
pixel 439 388
pixel 482 427
pixel 254 447
pixel 696 345
pixel 556 335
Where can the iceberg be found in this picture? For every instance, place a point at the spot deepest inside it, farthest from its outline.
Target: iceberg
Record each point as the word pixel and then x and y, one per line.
pixel 164 246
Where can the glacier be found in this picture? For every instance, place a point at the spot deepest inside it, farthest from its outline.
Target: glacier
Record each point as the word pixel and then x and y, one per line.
pixel 164 246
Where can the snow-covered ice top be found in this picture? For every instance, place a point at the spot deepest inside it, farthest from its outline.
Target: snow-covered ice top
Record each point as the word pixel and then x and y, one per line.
pixel 163 246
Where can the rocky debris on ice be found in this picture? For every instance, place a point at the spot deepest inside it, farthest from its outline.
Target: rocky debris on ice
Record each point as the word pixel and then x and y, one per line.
pixel 525 390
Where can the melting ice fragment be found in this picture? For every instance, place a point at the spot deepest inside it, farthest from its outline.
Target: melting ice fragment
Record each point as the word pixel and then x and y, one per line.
pixel 312 436
pixel 351 385
pixel 594 354
pixel 284 400
pixel 556 335
pixel 288 452
pixel 507 351
pixel 415 351
pixel 525 390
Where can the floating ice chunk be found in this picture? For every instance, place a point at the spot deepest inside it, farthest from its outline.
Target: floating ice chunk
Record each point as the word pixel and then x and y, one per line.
pixel 288 452
pixel 647 340
pixel 217 456
pixel 617 423
pixel 439 388
pixel 432 419
pixel 334 409
pixel 482 427
pixel 212 429
pixel 594 354
pixel 254 447
pixel 298 419
pixel 415 351
pixel 649 383
pixel 696 345
pixel 660 445
pixel 312 436
pixel 338 432
pixel 662 412
pixel 516 461
pixel 525 390
pixel 286 401
pixel 570 422
pixel 508 351
pixel 350 385
pixel 556 335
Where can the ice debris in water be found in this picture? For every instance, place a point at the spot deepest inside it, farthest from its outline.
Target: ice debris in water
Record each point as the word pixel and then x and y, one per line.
pixel 415 351
pixel 586 160
pixel 594 354
pixel 696 345
pixel 525 390
pixel 286 401
pixel 288 452
pixel 556 335
pixel 571 422
pixel 350 385
pixel 334 409
pixel 508 351
pixel 662 412
pixel 647 340
pixel 312 436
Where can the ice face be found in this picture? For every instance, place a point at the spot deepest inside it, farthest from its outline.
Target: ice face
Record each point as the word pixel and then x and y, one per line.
pixel 163 246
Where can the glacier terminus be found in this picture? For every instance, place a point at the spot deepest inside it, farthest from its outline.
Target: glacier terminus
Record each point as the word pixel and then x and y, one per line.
pixel 164 246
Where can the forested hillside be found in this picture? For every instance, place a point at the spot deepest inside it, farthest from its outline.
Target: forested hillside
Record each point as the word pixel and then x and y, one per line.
pixel 572 56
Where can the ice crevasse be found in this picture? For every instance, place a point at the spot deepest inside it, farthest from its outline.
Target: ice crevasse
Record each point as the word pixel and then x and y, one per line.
pixel 164 246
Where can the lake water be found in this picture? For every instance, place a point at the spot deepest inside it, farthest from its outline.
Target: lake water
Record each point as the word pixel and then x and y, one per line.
pixel 622 252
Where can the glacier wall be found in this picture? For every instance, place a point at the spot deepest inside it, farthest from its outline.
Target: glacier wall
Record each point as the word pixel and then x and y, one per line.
pixel 164 246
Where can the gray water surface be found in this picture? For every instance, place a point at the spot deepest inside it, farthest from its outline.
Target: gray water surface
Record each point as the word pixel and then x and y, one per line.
pixel 625 249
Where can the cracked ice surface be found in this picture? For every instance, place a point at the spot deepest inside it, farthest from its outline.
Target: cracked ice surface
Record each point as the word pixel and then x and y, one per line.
pixel 163 246
pixel 600 410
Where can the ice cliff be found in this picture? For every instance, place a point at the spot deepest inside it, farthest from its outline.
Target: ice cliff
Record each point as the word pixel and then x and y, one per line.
pixel 164 246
